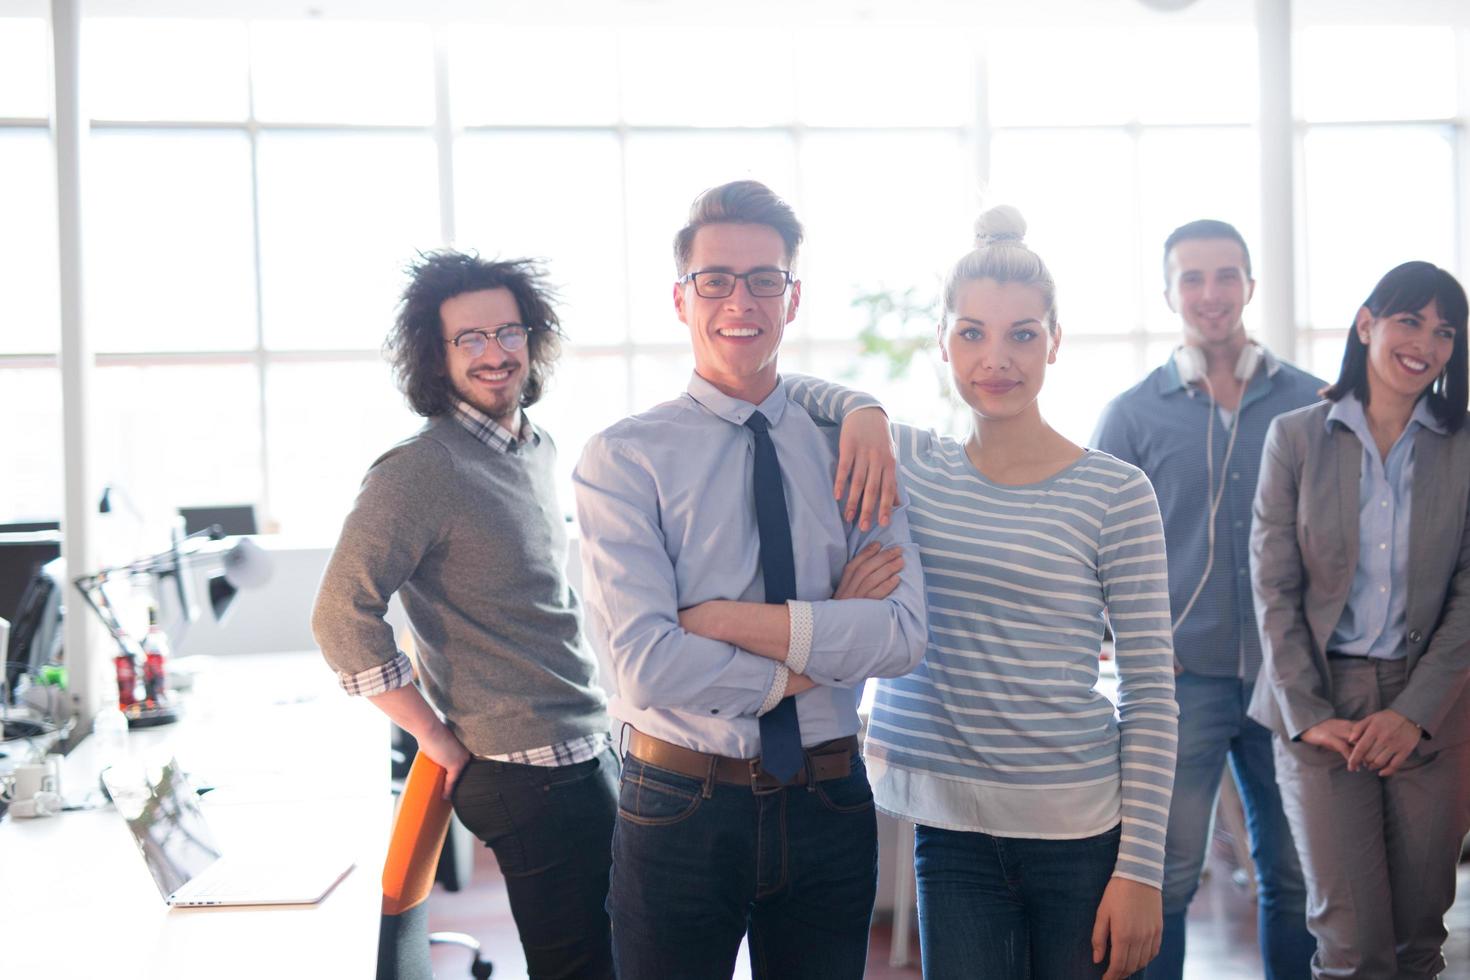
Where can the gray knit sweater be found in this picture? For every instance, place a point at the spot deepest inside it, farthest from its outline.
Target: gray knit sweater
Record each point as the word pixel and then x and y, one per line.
pixel 472 540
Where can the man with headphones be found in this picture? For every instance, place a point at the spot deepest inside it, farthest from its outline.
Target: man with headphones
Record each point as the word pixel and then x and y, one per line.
pixel 1197 426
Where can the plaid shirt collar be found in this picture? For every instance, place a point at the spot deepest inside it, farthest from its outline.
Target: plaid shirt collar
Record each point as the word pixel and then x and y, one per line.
pixel 491 432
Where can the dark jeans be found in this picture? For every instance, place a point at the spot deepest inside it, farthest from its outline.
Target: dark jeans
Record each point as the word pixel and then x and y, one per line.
pixel 696 864
pixel 1012 908
pixel 551 831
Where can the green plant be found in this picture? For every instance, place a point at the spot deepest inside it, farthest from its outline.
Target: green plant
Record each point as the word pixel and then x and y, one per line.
pixel 899 330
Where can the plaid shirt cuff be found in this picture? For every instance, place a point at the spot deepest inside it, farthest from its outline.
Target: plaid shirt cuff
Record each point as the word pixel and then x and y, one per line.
pixel 379 679
pixel 799 647
pixel 777 691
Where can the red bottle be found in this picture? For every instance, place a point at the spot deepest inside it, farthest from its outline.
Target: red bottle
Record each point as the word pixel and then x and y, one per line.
pixel 127 680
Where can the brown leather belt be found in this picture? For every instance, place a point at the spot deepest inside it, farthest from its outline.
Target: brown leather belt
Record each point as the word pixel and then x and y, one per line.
pixel 829 760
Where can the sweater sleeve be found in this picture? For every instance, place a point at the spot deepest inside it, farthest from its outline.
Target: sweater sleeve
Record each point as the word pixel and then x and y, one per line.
pixel 385 537
pixel 1134 578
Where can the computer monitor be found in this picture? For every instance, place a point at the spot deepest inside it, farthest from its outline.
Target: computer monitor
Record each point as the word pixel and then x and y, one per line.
pixel 24 548
pixel 35 631
pixel 232 519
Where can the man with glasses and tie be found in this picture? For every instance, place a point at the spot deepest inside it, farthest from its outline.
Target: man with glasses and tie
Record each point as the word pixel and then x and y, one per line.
pixel 742 616
pixel 461 521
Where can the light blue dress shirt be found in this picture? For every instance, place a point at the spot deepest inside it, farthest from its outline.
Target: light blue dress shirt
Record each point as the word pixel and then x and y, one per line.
pixel 1372 623
pixel 1159 425
pixel 667 518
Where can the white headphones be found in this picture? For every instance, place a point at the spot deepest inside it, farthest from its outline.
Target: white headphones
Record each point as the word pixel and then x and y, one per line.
pixel 1190 362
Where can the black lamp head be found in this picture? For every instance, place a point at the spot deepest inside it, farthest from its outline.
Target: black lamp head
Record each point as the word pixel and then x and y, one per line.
pixel 221 594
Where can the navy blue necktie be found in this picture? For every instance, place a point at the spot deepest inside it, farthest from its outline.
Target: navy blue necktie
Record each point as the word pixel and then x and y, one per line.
pixel 781 754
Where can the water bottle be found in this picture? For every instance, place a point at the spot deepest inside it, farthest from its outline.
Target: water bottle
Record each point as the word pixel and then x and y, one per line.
pixel 110 729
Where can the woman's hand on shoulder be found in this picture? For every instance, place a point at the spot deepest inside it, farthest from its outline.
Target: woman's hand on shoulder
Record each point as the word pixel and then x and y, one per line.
pixel 867 468
pixel 1129 927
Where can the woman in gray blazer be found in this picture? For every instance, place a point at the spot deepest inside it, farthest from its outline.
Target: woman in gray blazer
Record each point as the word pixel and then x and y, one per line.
pixel 1360 561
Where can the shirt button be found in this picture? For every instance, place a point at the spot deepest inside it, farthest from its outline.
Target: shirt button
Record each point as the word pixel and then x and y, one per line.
pixel 1384 504
pixel 1382 547
pixel 1240 571
pixel 1235 475
pixel 1240 523
pixel 1383 588
pixel 1415 636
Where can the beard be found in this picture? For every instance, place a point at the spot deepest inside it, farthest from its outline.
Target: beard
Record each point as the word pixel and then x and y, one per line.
pixel 499 405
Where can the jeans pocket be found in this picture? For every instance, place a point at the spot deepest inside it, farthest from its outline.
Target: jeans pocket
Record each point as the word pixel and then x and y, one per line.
pixel 656 797
pixel 568 777
pixel 850 793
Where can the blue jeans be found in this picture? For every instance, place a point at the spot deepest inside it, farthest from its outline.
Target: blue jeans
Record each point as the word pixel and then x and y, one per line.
pixel 551 831
pixel 1212 726
pixel 697 863
pixel 1010 908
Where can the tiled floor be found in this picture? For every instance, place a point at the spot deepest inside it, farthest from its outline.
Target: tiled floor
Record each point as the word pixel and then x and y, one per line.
pixel 1222 930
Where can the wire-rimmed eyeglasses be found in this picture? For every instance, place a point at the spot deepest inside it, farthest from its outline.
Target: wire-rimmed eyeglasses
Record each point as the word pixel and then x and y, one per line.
pixel 763 283
pixel 511 337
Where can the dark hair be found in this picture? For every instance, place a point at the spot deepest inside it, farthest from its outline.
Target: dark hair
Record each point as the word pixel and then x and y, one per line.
pixel 1205 228
pixel 415 345
pixel 740 202
pixel 1408 288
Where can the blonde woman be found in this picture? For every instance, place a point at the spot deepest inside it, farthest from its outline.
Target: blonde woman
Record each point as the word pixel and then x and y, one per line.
pixel 1040 812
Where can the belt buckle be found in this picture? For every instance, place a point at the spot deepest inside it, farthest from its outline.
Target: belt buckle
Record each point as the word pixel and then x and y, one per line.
pixel 763 783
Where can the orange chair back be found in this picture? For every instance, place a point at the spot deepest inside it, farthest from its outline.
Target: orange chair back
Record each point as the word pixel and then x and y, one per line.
pixel 419 828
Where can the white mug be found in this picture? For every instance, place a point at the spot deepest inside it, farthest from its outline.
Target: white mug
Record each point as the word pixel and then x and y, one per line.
pixel 40 805
pixel 41 777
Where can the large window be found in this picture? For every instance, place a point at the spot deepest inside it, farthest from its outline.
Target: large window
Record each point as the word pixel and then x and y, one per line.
pixel 246 230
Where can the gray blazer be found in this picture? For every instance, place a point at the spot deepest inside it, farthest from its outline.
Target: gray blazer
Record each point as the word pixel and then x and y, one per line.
pixel 1304 552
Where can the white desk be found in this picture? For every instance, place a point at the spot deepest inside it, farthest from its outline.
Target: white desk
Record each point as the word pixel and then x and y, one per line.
pixel 76 899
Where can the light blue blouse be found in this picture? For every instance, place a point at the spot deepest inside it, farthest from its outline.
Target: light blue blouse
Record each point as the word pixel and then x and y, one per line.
pixel 1372 624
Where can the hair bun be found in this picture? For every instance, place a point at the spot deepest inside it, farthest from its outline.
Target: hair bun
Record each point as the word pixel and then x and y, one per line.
pixel 1001 225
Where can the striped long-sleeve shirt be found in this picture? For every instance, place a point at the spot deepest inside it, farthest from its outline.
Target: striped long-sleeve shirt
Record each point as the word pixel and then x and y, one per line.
pixel 1001 729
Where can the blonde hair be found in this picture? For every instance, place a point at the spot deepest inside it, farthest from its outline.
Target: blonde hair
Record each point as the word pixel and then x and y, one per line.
pixel 1000 253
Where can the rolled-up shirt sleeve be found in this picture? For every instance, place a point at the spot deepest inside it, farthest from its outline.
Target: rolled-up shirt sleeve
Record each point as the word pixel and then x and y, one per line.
pixel 632 598
pixel 379 679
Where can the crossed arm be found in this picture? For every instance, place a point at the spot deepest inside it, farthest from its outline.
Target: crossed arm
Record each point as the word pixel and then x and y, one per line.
pixel 765 630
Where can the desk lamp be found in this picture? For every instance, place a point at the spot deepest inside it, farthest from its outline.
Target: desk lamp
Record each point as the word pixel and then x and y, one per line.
pixel 231 567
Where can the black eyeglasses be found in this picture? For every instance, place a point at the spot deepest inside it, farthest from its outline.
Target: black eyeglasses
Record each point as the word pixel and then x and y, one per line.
pixel 511 337
pixel 764 283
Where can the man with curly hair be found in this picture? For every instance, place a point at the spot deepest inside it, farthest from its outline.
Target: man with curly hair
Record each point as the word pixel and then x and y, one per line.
pixel 461 521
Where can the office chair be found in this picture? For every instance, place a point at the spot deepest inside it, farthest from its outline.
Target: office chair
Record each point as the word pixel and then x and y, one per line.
pixel 419 827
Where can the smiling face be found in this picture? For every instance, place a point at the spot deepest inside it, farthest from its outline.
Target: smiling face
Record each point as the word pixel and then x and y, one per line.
pixel 1406 351
pixel 492 382
pixel 997 346
pixel 1209 289
pixel 736 339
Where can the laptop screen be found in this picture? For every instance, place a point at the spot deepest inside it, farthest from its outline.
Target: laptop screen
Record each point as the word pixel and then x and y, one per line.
pixel 162 810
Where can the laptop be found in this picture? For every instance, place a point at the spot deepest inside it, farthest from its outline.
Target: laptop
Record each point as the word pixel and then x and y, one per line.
pixel 162 811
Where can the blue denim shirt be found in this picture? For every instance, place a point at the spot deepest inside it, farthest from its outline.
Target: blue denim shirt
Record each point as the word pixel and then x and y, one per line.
pixel 1159 426
pixel 668 521
pixel 1372 623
